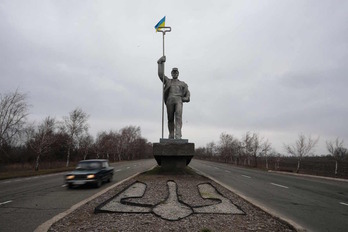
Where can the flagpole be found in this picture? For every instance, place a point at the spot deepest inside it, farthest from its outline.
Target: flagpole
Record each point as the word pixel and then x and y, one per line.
pixel 163 91
pixel 165 29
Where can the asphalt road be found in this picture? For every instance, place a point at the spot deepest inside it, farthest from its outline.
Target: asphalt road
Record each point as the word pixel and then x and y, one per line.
pixel 315 204
pixel 26 203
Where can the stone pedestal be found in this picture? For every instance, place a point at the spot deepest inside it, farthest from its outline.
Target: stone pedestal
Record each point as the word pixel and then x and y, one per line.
pixel 173 153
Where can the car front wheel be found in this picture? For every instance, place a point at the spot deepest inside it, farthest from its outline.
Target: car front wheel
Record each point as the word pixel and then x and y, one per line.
pixel 99 183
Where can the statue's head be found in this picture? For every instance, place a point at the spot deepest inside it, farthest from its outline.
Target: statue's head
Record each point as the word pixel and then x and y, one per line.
pixel 175 73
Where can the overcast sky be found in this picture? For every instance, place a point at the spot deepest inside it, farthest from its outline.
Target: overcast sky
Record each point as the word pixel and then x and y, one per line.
pixel 277 68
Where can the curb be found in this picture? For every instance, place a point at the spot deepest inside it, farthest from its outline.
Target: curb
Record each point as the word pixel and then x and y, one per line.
pixel 261 206
pixel 46 225
pixel 307 175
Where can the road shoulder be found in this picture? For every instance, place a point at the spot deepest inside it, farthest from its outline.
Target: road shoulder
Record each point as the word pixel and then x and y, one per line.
pixel 307 175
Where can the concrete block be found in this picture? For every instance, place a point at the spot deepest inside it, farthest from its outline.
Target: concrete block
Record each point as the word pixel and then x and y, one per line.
pixel 173 153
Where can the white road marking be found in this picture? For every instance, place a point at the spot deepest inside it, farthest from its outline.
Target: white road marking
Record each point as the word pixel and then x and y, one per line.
pixel 342 203
pixel 64 185
pixel 118 170
pixel 5 182
pixel 227 171
pixel 278 185
pixel 216 167
pixel 127 167
pixel 30 178
pixel 6 202
pixel 246 176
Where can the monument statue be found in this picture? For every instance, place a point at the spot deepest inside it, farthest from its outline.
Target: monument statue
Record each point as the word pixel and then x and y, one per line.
pixel 173 152
pixel 175 93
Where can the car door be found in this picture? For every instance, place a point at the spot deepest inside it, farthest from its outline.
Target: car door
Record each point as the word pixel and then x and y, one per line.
pixel 104 170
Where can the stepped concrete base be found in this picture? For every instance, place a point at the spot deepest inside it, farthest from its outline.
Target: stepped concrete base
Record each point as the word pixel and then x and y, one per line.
pixel 173 153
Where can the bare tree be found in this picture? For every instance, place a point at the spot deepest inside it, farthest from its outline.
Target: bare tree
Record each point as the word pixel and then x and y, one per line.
pixel 278 157
pixel 117 145
pixel 42 138
pixel 241 151
pixel 125 144
pixel 118 148
pixel 256 146
pixel 75 125
pixel 106 144
pixel 98 144
pixel 129 135
pixel 337 150
pixel 247 147
pixel 13 113
pixel 211 149
pixel 86 144
pixel 266 147
pixel 302 147
pixel 228 146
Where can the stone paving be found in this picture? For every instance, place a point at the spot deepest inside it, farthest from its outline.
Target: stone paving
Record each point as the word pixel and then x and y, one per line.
pixel 172 208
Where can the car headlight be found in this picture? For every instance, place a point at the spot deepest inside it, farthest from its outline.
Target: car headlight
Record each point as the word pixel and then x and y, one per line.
pixel 70 177
pixel 90 176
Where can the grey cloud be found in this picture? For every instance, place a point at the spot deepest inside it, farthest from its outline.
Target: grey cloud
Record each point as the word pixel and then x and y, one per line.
pixel 275 67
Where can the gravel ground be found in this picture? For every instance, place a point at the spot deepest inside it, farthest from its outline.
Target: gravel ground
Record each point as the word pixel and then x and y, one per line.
pixel 253 218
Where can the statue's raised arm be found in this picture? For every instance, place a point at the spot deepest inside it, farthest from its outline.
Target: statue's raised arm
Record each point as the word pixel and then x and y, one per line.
pixel 160 63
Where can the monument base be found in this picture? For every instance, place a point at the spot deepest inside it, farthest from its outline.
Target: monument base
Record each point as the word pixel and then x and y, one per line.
pixel 173 153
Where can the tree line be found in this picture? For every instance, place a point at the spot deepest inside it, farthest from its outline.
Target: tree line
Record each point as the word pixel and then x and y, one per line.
pixel 66 139
pixel 253 148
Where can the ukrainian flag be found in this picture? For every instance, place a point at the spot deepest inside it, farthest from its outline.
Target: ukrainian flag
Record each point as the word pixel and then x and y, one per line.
pixel 161 23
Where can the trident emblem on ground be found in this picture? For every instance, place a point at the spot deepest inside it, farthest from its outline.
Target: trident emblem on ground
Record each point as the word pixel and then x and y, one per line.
pixel 172 208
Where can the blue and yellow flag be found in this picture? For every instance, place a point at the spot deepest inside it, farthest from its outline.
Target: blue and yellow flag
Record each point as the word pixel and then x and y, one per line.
pixel 161 23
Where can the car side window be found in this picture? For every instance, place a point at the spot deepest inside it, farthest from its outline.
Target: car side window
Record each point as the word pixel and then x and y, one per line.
pixel 94 165
pixel 105 164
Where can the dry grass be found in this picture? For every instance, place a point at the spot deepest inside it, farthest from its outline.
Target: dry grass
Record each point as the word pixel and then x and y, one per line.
pixel 27 169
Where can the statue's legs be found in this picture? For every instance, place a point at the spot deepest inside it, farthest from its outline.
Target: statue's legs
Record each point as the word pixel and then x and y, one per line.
pixel 174 112
pixel 178 120
pixel 170 114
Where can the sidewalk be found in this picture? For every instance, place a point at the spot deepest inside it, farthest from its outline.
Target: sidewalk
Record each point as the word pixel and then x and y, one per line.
pixel 311 176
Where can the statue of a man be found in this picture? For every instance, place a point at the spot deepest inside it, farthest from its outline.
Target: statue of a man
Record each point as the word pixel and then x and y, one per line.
pixel 175 93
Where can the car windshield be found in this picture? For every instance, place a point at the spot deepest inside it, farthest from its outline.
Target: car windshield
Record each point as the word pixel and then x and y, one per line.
pixel 89 165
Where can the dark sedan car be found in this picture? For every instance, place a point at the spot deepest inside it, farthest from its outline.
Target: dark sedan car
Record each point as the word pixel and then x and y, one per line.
pixel 95 172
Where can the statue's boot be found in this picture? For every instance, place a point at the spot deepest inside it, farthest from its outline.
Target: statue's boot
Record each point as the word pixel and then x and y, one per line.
pixel 171 130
